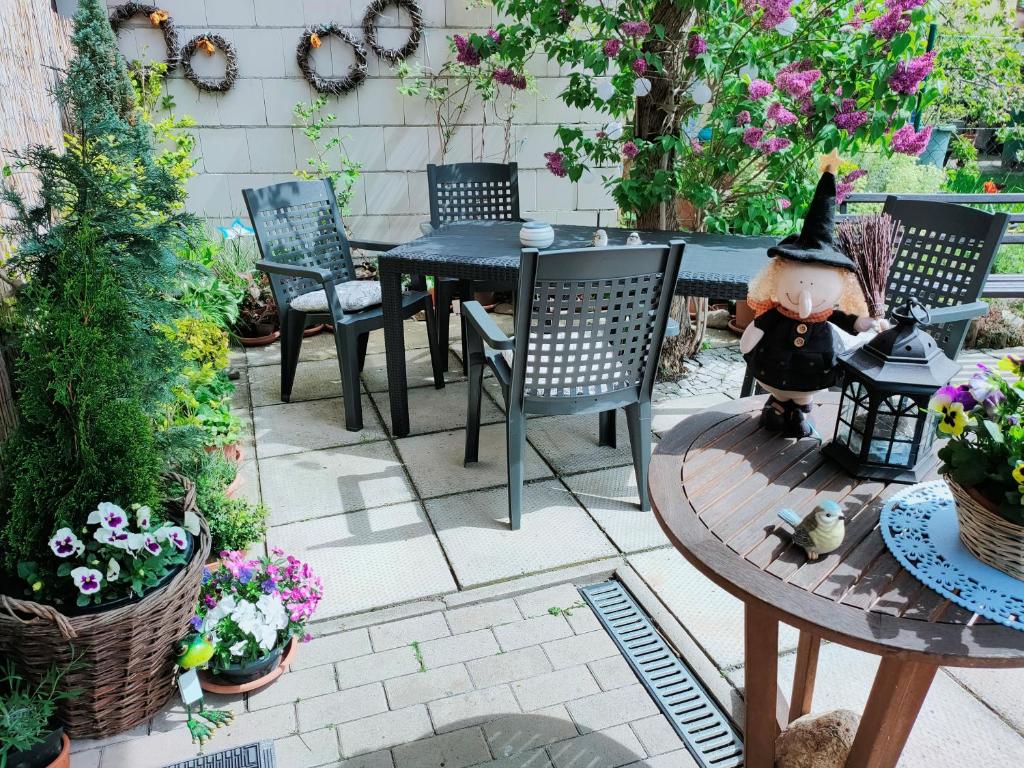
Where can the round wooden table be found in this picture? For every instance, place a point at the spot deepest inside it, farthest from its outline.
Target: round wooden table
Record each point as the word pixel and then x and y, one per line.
pixel 716 483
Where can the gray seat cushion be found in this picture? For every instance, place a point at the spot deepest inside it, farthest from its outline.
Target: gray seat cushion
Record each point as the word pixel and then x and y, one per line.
pixel 353 296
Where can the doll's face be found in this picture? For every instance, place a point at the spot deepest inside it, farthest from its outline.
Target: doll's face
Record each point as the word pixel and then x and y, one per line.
pixel 806 289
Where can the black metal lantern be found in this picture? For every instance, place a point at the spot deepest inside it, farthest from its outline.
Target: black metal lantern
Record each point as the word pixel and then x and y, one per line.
pixel 883 430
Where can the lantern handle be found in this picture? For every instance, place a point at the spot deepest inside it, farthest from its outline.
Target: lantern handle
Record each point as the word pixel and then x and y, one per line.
pixel 912 311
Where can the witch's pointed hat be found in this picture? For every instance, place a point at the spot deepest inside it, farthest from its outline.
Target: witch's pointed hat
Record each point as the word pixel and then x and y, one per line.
pixel 814 244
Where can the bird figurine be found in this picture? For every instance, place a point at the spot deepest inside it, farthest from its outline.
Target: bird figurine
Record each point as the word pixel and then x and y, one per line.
pixel 821 532
pixel 194 652
pixel 634 239
pixel 600 239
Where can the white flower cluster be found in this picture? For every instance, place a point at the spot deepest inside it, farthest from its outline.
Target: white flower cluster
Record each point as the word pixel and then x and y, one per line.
pixel 262 620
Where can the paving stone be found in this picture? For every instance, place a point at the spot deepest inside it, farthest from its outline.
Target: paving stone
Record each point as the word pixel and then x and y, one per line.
pixel 380 759
pixel 458 648
pixel 519 733
pixel 415 629
pixel 314 348
pixel 669 413
pixel 418 371
pixel 580 649
pixel 601 749
pixel 435 462
pixel 715 620
pixel 611 498
pixel 319 483
pixel 331 648
pixel 657 735
pixel 472 708
pixel 295 685
pixel 604 710
pixel 308 426
pixel 506 667
pixel 582 620
pixel 449 750
pixel 307 750
pixel 538 758
pixel 385 730
pixel 681 758
pixel 539 629
pixel 613 672
pixel 998 688
pixel 87 759
pixel 566 597
pixel 437 410
pixel 474 617
pixel 554 687
pixel 421 687
pixel 569 443
pixel 314 380
pixel 376 667
pixel 341 707
pixel 250 487
pixel 473 529
pixel 373 558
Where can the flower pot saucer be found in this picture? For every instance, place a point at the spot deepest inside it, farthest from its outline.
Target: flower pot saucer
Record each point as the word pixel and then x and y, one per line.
pixel 212 684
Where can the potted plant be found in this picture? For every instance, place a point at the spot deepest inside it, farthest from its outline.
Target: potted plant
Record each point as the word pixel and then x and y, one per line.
pixel 254 610
pixel 30 736
pixel 983 461
pixel 258 323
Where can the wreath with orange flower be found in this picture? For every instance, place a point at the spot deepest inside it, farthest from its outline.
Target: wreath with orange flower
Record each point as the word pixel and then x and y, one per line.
pixel 311 39
pixel 210 44
pixel 158 17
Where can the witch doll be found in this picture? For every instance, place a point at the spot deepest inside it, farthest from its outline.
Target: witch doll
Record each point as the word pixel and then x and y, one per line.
pixel 808 289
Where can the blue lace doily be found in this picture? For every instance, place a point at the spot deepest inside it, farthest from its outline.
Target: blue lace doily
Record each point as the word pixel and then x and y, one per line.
pixel 920 528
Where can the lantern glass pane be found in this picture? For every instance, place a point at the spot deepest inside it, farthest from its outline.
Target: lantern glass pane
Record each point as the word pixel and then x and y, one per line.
pixel 895 425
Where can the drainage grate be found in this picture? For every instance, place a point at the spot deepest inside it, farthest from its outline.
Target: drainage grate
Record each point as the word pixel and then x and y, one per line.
pixel 250 756
pixel 700 723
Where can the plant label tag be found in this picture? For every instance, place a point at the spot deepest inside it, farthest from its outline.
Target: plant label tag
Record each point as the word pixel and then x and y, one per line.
pixel 191 522
pixel 188 686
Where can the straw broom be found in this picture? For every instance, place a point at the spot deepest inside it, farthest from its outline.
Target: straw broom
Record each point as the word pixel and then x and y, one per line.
pixel 871 242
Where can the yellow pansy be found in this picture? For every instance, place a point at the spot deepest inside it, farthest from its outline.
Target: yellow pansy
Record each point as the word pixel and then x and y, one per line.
pixel 1018 473
pixel 1013 364
pixel 953 420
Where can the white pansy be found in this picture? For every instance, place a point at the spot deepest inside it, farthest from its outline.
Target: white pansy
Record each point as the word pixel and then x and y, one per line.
pixel 238 649
pixel 143 517
pixel 113 569
pixel 274 611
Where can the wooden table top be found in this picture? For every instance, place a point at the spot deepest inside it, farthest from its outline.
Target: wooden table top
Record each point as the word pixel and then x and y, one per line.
pixel 716 483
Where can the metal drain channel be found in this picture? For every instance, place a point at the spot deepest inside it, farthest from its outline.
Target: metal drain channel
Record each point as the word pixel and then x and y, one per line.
pixel 696 717
pixel 256 755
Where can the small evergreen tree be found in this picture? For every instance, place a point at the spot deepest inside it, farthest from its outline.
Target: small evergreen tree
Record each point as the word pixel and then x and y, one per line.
pixel 98 253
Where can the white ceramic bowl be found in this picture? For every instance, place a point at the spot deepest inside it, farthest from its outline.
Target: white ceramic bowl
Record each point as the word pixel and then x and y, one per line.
pixel 536 234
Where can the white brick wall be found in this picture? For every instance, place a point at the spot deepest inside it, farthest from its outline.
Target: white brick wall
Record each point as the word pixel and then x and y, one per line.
pixel 246 136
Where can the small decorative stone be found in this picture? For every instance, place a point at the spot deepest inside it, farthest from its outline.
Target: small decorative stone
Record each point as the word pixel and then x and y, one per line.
pixel 600 239
pixel 634 239
pixel 817 741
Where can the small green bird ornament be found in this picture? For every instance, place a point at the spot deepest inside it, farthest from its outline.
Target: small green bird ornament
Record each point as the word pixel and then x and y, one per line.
pixel 194 652
pixel 819 533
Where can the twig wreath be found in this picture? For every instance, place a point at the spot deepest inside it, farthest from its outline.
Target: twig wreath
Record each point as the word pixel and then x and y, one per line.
pixel 158 18
pixel 209 44
pixel 336 86
pixel 393 55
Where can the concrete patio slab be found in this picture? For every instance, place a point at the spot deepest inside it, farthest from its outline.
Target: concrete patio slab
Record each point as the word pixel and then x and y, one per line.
pixel 435 462
pixel 1000 689
pixel 569 443
pixel 611 498
pixel 375 557
pixel 319 483
pixel 316 347
pixel 310 426
pixel 473 529
pixel 436 410
pixel 417 370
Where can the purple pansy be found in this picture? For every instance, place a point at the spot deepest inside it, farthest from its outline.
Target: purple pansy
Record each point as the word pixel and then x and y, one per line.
pixel 196 622
pixel 108 515
pixel 64 543
pixel 87 580
pixel 151 545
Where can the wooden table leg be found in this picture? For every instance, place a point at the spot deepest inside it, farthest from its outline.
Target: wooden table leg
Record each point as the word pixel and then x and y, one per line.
pixel 803 676
pixel 761 686
pixel 896 697
pixel 394 347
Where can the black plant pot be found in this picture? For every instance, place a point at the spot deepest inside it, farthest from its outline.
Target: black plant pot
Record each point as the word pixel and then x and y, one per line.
pixel 39 755
pixel 254 670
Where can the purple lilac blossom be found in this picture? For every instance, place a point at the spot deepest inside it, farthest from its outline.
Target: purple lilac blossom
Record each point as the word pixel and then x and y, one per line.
pixel 752 136
pixel 743 117
pixel 612 47
pixel 758 89
pixel 494 35
pixel 890 24
pixel 795 80
pixel 780 114
pixel 696 45
pixel 776 144
pixel 909 74
pixel 634 28
pixel 555 163
pixel 849 118
pixel 907 141
pixel 639 67
pixel 467 54
pixel 630 150
pixel 775 12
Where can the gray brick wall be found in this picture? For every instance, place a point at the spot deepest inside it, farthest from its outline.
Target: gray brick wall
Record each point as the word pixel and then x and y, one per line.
pixel 246 137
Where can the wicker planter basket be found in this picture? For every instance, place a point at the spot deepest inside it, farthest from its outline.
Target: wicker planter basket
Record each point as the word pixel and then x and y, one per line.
pixel 128 652
pixel 988 536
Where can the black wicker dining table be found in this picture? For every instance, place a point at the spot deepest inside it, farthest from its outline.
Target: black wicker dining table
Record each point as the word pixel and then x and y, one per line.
pixel 714 266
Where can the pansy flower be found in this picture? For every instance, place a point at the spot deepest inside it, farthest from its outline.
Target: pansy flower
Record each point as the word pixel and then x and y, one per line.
pixel 87 580
pixel 111 538
pixel 173 534
pixel 1018 473
pixel 1012 363
pixel 108 515
pixel 953 419
pixel 143 516
pixel 151 545
pixel 113 569
pixel 64 543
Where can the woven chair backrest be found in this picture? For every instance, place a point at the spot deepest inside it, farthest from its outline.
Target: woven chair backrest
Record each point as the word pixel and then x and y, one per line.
pixel 473 191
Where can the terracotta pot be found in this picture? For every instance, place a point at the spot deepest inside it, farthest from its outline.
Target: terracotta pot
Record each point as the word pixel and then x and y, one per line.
pixel 313 330
pixel 220 684
pixel 744 317
pixel 41 755
pixel 232 451
pixel 691 307
pixel 486 298
pixel 259 341
pixel 233 486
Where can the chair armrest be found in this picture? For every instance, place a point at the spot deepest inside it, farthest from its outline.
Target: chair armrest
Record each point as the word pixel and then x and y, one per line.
pixel 672 328
pixel 372 245
pixel 484 325
pixel 955 314
pixel 290 270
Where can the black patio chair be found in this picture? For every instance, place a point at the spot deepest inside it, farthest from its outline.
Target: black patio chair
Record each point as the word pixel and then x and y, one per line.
pixel 589 326
pixel 943 258
pixel 305 250
pixel 461 192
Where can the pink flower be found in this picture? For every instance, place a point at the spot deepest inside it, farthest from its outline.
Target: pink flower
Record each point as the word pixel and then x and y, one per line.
pixel 752 136
pixel 796 79
pixel 555 163
pixel 696 45
pixel 467 54
pixel 507 76
pixel 758 89
pixel 696 147
pixel 639 67
pixel 852 176
pixel 775 12
pixel 634 28
pixel 630 150
pixel 890 24
pixel 776 144
pixel 907 141
pixel 904 5
pixel 494 35
pixel 600 135
pixel 612 47
pixel 849 118
pixel 843 189
pixel 780 114
pixel 857 21
pixel 743 117
pixel 784 203
pixel 909 74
